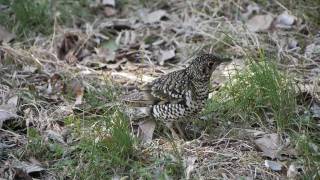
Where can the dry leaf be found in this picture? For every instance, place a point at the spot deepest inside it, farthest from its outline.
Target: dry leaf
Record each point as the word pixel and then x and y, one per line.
pixel 106 54
pixel 6 36
pixel 21 174
pixel 146 129
pixel 285 20
pixel 154 17
pixel 7 111
pixel 55 136
pixel 28 167
pixel 254 132
pixel 293 44
pixel 260 23
pixel 273 165
pixel 166 55
pixel 269 144
pixel 251 8
pixel 189 163
pixel 4 91
pixel 68 43
pixel 312 50
pixel 292 172
pixel 78 89
pixel 315 110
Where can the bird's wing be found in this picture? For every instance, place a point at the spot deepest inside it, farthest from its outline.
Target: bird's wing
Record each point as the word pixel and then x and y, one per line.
pixel 140 98
pixel 169 88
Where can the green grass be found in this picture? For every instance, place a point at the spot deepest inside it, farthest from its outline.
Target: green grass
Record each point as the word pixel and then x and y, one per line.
pixel 259 90
pixel 26 16
pixel 105 146
pixel 40 148
pixel 30 18
pixel 262 89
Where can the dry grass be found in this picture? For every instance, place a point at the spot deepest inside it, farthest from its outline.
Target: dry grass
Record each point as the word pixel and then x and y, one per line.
pixel 192 27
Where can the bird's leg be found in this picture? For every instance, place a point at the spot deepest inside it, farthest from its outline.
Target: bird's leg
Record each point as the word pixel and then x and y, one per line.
pixel 173 132
pixel 177 125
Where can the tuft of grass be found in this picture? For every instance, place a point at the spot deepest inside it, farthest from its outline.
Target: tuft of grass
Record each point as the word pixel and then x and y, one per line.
pixel 262 93
pixel 259 90
pixel 41 149
pixel 28 16
pixel 106 147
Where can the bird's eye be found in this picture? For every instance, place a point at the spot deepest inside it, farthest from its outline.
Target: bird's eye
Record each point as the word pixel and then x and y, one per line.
pixel 210 64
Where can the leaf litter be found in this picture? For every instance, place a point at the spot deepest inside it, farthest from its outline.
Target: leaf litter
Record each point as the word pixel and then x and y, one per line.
pixel 134 48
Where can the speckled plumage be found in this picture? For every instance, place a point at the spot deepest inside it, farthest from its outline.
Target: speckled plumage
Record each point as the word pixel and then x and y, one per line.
pixel 177 95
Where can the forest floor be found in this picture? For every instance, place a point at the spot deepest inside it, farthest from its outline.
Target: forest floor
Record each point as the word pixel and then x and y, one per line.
pixel 64 65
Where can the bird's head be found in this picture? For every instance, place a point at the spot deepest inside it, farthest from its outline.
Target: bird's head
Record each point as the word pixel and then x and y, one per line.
pixel 201 68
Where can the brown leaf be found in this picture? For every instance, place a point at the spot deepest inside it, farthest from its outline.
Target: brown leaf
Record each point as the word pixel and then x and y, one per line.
pixel 68 43
pixel 78 89
pixel 21 174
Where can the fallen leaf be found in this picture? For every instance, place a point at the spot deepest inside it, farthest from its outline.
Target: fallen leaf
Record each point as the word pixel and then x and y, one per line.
pixel 285 20
pixel 133 77
pixel 315 110
pixel 292 171
pixel 55 136
pixel 244 178
pixel 13 101
pixel 28 167
pixel 273 165
pixel 293 44
pixel 68 43
pixel 21 174
pixel 260 23
pixel 154 17
pixel 166 55
pixel 6 36
pixel 312 50
pixel 78 90
pixel 251 8
pixel 146 129
pixel 29 68
pixel 269 144
pixel 106 53
pixel 4 92
pixel 7 112
pixel 3 145
pixel 254 132
pixel 189 163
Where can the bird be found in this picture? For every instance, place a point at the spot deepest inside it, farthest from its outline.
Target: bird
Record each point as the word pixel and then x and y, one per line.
pixel 175 96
